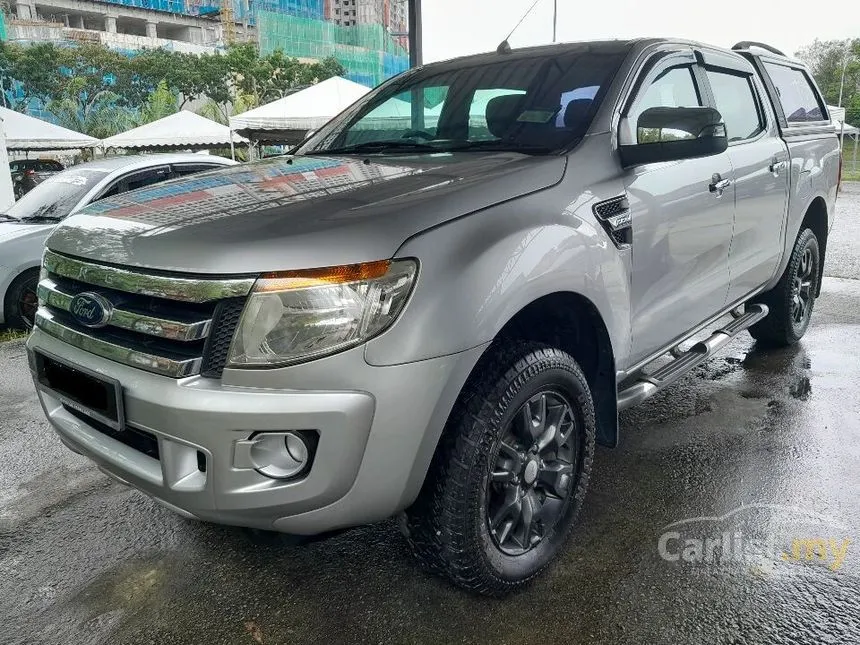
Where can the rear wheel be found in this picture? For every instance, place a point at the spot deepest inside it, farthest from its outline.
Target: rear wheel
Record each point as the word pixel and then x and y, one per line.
pixel 791 301
pixel 21 300
pixel 510 476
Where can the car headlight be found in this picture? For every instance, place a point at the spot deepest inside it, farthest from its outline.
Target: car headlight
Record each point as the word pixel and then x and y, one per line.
pixel 296 316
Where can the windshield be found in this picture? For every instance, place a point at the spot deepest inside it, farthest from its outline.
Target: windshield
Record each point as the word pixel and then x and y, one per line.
pixel 55 197
pixel 536 104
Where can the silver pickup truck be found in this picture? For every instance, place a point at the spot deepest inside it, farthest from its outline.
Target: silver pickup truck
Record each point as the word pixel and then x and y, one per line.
pixel 437 306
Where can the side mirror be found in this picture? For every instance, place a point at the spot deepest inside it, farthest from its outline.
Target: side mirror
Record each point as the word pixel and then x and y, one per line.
pixel 673 133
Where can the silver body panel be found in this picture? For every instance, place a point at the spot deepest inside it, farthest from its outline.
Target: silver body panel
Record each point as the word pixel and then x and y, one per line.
pixel 493 232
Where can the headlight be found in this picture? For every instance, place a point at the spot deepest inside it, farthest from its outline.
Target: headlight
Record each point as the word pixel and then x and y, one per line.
pixel 296 316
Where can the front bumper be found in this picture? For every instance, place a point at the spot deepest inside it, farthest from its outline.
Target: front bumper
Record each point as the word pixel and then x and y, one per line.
pixel 378 427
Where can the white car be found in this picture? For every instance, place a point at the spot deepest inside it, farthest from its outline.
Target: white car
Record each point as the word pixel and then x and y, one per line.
pixel 27 224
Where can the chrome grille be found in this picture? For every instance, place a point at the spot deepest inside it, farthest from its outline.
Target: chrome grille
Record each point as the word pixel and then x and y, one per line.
pixel 157 322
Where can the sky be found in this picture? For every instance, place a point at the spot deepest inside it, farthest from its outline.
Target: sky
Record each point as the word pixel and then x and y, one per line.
pixel 459 27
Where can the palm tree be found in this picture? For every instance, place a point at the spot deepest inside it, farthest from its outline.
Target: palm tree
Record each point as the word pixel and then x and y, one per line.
pixel 99 115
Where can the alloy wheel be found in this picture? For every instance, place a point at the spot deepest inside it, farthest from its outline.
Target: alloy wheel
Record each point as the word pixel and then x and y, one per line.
pixel 802 295
pixel 533 473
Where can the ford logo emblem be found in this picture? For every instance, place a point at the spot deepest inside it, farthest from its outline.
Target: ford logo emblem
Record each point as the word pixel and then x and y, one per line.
pixel 91 309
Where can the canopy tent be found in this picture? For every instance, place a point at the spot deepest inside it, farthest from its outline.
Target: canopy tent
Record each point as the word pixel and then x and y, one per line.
pixel 183 130
pixel 837 114
pixel 287 120
pixel 850 130
pixel 29 133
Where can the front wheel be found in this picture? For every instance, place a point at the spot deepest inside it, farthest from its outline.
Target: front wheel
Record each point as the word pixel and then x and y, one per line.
pixel 792 299
pixel 21 300
pixel 511 473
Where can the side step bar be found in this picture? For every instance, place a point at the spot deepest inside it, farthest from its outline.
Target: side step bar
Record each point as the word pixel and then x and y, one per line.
pixel 648 384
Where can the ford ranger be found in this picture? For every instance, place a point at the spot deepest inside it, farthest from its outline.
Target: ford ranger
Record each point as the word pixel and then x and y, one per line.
pixel 437 305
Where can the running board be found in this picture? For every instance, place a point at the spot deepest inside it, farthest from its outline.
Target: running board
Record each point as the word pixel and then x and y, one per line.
pixel 648 384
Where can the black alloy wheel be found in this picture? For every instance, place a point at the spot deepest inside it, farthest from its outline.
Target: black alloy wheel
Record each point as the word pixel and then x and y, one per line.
pixel 791 301
pixel 510 473
pixel 533 473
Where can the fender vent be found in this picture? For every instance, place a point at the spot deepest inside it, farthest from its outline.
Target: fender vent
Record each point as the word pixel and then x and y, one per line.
pixel 614 215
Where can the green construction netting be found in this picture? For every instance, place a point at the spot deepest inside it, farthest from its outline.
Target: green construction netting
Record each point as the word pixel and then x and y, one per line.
pixel 368 52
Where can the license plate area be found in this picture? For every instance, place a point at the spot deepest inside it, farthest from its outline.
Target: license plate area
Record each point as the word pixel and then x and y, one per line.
pixel 89 393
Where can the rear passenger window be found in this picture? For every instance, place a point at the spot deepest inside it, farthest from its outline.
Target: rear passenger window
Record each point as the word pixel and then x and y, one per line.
pixel 737 103
pixel 799 101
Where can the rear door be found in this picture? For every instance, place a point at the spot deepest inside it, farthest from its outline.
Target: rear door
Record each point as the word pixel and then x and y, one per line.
pixel 760 161
pixel 682 227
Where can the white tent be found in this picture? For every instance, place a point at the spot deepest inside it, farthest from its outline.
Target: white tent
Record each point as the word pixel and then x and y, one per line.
pixel 305 110
pixel 29 133
pixel 837 114
pixel 184 130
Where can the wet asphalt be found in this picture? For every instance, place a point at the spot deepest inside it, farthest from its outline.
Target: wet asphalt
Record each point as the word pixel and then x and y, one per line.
pixel 767 444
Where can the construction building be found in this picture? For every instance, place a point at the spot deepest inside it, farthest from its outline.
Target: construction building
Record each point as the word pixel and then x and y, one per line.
pixel 366 36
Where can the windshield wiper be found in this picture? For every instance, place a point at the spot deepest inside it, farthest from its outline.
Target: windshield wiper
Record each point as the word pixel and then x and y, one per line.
pixel 41 218
pixel 379 146
pixel 502 146
pixel 7 218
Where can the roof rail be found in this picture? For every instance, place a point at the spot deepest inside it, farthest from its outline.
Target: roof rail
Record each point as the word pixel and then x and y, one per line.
pixel 746 44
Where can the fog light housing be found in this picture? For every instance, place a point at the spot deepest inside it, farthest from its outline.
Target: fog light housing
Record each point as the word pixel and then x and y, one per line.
pixel 279 455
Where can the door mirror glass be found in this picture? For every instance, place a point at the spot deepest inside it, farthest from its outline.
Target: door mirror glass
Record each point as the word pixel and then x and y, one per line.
pixel 675 133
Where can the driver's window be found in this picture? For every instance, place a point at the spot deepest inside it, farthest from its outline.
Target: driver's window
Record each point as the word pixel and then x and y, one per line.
pixel 393 119
pixel 673 87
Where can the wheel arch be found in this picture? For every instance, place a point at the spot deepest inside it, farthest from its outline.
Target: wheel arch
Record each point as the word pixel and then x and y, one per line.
pixel 816 219
pixel 571 322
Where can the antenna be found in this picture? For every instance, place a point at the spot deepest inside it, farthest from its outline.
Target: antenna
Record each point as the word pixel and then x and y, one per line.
pixel 505 47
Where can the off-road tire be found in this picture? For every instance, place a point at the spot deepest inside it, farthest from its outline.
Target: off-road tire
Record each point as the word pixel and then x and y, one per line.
pixel 447 525
pixel 779 328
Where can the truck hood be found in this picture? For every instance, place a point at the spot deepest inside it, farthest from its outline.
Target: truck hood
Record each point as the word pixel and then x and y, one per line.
pixel 12 231
pixel 296 212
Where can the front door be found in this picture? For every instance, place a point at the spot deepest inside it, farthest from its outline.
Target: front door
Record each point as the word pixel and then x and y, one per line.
pixel 682 215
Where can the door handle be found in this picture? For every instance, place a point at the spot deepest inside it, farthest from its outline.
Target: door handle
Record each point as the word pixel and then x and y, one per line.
pixel 719 185
pixel 777 166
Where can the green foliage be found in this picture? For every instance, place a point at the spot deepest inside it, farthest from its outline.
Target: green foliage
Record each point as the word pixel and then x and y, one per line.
pixel 826 61
pixel 271 77
pixel 159 104
pixel 34 67
pixel 99 91
pixel 99 115
pixel 11 334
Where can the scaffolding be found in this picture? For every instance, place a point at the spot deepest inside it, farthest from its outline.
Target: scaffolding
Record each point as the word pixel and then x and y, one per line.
pixel 369 53
pixel 170 6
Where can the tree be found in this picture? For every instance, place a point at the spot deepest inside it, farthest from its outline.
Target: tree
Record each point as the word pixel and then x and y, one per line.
pixel 269 78
pixel 826 61
pixel 29 72
pixel 99 115
pixel 159 104
pixel 94 89
pixel 92 68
